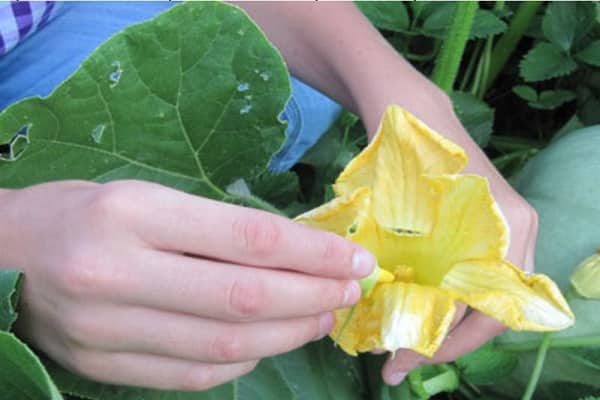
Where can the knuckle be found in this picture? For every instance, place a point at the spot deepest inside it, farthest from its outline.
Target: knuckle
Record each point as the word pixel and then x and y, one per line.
pixel 113 200
pixel 246 299
pixel 80 275
pixel 79 327
pixel 85 274
pixel 227 347
pixel 260 234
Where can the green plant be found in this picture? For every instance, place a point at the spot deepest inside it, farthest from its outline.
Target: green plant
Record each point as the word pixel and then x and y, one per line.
pixel 525 77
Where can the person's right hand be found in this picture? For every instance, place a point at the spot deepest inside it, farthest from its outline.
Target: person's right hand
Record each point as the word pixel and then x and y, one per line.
pixel 134 283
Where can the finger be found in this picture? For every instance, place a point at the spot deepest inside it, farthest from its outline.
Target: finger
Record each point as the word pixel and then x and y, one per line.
pixel 157 372
pixel 474 331
pixel 211 289
pixel 461 309
pixel 403 361
pixel 134 330
pixel 399 364
pixel 181 222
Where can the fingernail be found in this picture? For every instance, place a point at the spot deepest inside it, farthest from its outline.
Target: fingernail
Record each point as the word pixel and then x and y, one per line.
pixel 351 293
pixel 326 322
pixel 396 378
pixel 363 263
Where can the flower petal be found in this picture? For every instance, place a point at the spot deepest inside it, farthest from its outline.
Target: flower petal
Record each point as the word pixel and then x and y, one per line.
pixel 338 215
pixel 397 315
pixel 468 226
pixel 403 149
pixel 503 291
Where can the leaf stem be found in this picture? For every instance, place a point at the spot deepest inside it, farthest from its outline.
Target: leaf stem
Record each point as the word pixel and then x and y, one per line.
pixel 539 365
pixel 471 65
pixel 509 40
pixel 448 61
pixel 557 343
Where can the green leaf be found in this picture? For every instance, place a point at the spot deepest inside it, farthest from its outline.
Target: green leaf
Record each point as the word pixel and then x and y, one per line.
pixel 319 371
pixel 546 61
pixel 23 375
pixel 566 22
pixel 486 365
pixel 390 15
pixel 211 120
pixel 525 92
pixel 438 17
pixel 486 24
pixel 551 99
pixel 9 291
pixel 590 54
pixel 476 116
pixel 546 100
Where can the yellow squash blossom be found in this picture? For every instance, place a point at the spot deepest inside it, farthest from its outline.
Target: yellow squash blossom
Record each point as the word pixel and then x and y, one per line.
pixel 438 237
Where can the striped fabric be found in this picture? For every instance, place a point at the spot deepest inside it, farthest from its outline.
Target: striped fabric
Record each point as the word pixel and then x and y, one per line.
pixel 20 19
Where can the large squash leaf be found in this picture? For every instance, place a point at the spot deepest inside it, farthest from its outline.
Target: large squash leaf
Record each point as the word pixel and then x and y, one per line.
pixel 190 99
pixel 561 182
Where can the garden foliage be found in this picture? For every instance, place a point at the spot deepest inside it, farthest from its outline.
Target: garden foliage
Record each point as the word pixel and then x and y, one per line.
pixel 526 76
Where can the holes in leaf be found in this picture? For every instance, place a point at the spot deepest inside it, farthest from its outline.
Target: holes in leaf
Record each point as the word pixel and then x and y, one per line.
pixel 12 150
pixel 243 86
pixel 97 133
pixel 115 76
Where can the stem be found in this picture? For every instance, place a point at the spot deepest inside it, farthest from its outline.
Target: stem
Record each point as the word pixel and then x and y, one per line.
pixel 581 341
pixel 471 65
pixel 509 40
pixel 485 70
pixel 539 365
pixel 477 79
pixel 448 61
pixel 345 324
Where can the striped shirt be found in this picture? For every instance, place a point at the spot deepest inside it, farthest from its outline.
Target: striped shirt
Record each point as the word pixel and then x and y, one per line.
pixel 20 19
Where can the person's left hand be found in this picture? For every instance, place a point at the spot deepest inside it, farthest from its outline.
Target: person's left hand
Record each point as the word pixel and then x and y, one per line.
pixel 472 331
pixel 434 108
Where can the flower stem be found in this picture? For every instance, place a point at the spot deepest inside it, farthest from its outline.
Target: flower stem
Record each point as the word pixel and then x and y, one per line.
pixel 345 324
pixel 509 40
pixel 448 61
pixel 539 365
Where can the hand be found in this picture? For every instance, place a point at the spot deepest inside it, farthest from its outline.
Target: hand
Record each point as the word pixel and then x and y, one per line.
pixel 135 283
pixel 475 329
pixel 467 334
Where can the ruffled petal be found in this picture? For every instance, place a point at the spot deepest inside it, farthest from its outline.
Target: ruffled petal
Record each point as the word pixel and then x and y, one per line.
pixel 338 215
pixel 397 315
pixel 503 291
pixel 468 225
pixel 403 149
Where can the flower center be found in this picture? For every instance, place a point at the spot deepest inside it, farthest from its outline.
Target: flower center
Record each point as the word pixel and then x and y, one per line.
pixel 404 273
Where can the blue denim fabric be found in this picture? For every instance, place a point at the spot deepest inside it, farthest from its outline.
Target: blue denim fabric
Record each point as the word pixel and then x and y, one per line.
pixel 44 60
